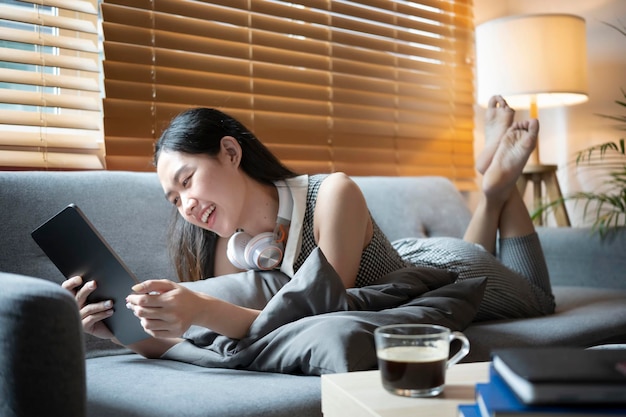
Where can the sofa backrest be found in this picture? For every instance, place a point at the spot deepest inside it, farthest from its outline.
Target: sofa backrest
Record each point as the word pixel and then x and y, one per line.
pixel 415 206
pixel 129 210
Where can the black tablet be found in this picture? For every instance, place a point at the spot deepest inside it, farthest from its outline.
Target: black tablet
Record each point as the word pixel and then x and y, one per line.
pixel 76 248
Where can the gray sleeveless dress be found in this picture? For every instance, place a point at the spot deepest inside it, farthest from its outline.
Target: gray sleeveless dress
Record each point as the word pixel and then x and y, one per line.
pixel 518 284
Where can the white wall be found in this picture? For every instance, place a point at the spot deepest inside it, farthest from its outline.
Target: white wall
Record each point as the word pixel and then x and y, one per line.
pixel 564 131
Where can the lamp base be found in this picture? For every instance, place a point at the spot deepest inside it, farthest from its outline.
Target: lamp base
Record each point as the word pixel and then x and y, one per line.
pixel 539 175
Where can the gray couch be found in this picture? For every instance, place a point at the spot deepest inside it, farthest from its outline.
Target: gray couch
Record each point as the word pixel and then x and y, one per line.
pixel 42 371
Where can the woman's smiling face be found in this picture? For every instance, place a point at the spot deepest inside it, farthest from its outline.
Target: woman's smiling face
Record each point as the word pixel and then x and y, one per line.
pixel 205 189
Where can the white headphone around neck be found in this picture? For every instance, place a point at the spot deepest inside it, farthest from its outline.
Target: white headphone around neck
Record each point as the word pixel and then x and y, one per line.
pixel 265 250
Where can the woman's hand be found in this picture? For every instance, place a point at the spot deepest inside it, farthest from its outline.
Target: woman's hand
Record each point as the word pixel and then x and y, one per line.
pixel 91 314
pixel 165 309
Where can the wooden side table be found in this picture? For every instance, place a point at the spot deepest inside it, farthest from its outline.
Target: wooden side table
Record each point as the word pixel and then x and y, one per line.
pixel 362 394
pixel 539 175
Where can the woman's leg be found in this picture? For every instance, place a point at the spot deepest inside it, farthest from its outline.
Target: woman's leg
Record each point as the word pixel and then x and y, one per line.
pixel 517 280
pixel 501 208
pixel 501 212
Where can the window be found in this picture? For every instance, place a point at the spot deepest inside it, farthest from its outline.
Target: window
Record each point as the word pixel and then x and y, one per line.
pixel 50 101
pixel 377 87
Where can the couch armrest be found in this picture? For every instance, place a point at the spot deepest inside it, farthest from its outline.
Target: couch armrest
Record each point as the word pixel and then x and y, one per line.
pixel 42 353
pixel 581 257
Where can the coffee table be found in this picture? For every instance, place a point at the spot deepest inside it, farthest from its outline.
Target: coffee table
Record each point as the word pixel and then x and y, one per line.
pixel 362 394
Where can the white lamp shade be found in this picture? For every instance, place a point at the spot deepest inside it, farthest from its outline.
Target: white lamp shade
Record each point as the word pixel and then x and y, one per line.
pixel 532 57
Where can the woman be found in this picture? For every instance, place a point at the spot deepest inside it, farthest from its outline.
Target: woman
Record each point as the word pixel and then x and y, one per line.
pixel 222 179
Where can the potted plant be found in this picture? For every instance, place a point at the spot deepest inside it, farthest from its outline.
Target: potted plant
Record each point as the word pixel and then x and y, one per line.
pixel 607 203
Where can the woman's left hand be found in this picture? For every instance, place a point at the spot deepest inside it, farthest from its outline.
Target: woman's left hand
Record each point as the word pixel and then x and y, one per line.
pixel 165 308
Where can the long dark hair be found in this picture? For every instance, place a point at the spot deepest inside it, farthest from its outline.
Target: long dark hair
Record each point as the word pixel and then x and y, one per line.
pixel 199 131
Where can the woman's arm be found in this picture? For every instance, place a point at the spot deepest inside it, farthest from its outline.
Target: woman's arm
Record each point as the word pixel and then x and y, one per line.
pixel 165 314
pixel 167 309
pixel 342 225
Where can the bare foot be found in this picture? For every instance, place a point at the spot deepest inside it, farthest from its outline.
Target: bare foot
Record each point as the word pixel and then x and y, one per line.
pixel 498 117
pixel 510 157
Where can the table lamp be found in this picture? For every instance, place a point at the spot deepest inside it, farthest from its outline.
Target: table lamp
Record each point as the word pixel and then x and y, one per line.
pixel 534 61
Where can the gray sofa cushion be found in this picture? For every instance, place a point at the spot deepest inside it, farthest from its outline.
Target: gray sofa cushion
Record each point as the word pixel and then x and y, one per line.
pixel 131 386
pixel 312 325
pixel 600 312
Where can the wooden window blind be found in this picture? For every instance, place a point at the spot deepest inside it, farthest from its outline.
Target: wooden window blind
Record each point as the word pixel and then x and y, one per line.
pixel 50 95
pixel 375 87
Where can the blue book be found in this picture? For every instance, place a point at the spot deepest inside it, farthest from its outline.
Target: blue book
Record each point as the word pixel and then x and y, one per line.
pixel 495 398
pixel 469 410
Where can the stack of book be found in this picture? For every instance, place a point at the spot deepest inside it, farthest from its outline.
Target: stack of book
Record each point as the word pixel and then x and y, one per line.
pixel 552 382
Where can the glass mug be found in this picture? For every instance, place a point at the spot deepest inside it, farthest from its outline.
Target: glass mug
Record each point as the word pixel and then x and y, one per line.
pixel 413 358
